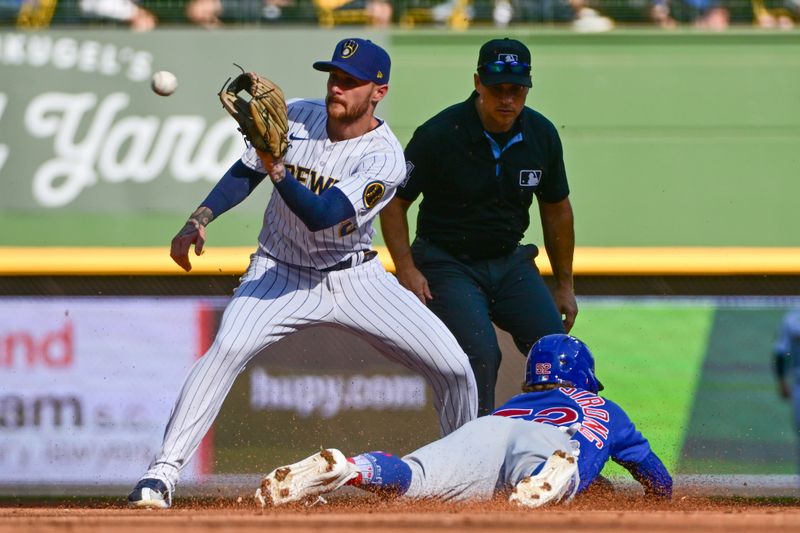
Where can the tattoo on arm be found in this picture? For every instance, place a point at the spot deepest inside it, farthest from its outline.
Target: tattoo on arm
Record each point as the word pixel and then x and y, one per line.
pixel 201 217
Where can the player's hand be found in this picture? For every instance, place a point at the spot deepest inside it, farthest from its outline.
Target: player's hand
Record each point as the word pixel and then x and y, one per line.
pixel 273 166
pixel 192 233
pixel 567 305
pixel 412 279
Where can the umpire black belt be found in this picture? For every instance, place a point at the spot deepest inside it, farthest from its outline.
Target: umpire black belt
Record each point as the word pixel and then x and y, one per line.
pixel 369 255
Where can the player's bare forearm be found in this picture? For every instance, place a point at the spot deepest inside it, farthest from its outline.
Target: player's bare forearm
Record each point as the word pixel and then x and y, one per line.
pixel 394 226
pixel 192 233
pixel 559 240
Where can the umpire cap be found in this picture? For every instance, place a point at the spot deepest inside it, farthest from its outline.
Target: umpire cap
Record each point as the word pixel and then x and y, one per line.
pixel 504 61
pixel 361 58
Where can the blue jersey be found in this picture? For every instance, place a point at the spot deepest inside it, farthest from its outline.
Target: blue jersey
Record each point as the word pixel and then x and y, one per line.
pixel 605 433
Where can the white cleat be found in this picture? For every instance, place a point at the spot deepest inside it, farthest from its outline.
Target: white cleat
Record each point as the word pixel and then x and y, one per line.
pixel 321 473
pixel 151 493
pixel 556 482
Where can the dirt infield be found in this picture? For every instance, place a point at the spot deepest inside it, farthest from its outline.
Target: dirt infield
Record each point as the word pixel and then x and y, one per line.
pixel 597 514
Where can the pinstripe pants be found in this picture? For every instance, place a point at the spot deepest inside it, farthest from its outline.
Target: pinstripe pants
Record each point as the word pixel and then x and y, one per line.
pixel 275 300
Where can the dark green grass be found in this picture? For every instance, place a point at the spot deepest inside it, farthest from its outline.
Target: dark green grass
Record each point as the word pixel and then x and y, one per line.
pixel 648 358
pixel 738 425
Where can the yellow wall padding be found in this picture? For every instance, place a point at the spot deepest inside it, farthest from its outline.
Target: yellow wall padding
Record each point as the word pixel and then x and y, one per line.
pixel 94 261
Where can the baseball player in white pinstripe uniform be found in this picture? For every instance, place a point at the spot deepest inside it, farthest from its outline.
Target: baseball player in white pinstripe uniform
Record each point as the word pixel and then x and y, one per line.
pixel 314 263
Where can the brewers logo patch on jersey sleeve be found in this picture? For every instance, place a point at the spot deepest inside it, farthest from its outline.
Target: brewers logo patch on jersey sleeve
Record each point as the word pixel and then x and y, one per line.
pixel 373 193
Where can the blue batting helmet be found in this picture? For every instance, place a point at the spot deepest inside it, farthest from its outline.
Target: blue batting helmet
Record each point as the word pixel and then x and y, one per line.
pixel 561 359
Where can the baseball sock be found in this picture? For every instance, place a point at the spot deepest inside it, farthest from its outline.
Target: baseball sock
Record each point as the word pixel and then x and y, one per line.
pixel 381 472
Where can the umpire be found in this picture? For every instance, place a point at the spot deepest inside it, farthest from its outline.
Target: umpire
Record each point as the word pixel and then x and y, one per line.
pixel 478 165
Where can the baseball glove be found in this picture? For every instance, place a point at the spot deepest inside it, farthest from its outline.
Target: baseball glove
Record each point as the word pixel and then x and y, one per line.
pixel 262 117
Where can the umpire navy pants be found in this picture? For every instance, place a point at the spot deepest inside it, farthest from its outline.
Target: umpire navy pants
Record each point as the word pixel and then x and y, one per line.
pixel 470 295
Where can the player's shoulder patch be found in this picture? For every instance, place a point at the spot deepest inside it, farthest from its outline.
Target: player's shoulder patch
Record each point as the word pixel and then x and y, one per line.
pixel 373 193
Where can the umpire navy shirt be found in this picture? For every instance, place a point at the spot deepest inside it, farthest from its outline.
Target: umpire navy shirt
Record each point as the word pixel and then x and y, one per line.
pixel 476 199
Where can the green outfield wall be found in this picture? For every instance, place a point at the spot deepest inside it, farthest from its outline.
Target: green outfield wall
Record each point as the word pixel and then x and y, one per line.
pixel 677 138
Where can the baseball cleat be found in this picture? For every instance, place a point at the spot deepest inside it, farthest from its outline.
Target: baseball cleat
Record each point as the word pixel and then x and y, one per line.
pixel 557 481
pixel 321 473
pixel 150 492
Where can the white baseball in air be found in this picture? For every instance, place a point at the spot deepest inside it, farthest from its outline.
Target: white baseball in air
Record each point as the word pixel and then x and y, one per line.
pixel 164 82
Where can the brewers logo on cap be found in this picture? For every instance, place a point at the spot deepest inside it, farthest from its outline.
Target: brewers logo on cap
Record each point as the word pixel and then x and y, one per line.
pixel 349 48
pixel 360 58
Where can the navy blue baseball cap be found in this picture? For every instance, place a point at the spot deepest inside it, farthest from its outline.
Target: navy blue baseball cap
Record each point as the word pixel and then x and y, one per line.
pixel 361 58
pixel 505 61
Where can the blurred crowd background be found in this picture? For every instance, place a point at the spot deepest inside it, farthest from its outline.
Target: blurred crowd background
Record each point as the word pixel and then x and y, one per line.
pixel 581 15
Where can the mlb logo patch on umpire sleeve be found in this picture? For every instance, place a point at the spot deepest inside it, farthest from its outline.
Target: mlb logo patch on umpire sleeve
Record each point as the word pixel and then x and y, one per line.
pixel 409 170
pixel 529 178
